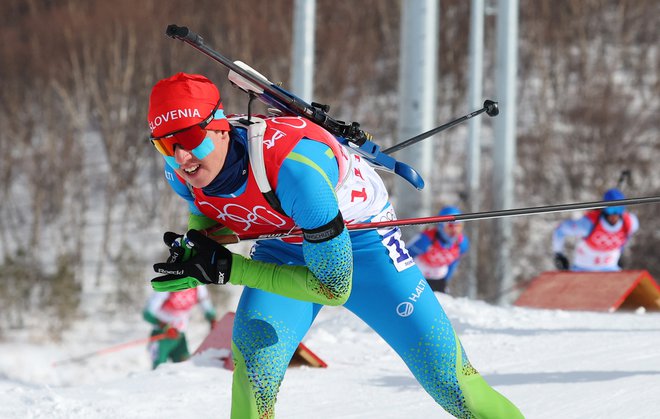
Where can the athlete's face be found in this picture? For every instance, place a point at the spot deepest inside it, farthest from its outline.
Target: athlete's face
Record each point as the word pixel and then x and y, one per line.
pixel 612 218
pixel 453 229
pixel 199 173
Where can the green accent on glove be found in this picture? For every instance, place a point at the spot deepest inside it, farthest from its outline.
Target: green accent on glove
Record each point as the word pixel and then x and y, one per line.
pixel 178 284
pixel 292 281
pixel 208 263
pixel 188 252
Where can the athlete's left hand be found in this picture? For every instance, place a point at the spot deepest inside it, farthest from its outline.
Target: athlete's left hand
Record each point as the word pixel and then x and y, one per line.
pixel 207 263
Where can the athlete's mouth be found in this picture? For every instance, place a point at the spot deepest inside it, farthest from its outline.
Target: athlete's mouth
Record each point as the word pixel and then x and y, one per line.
pixel 192 169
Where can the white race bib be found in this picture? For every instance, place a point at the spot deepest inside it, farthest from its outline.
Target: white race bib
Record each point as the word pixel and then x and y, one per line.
pixel 391 239
pixel 590 259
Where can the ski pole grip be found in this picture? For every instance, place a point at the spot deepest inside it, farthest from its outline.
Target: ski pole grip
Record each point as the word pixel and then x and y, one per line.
pixel 184 34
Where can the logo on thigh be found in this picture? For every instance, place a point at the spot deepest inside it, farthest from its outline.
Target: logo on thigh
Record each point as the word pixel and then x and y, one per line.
pixel 406 308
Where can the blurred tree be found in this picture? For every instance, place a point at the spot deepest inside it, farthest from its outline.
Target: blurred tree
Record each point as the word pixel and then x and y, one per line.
pixel 76 167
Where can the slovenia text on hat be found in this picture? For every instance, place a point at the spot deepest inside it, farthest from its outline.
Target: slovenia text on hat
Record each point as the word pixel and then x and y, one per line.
pixel 182 101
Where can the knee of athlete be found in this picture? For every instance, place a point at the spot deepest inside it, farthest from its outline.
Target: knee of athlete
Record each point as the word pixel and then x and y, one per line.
pixel 331 262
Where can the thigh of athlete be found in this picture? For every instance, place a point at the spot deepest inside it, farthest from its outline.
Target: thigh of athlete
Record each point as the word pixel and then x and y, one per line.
pixel 267 330
pixel 401 307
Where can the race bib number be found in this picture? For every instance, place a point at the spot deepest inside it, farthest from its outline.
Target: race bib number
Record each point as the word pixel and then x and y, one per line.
pixel 391 239
pixel 588 258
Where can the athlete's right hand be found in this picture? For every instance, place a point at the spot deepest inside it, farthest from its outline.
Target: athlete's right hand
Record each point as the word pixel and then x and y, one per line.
pixel 194 260
pixel 561 262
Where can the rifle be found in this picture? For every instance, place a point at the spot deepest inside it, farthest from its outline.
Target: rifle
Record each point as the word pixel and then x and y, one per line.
pixel 256 85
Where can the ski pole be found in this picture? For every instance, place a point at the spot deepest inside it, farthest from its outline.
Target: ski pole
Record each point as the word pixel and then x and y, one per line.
pixel 486 215
pixel 625 174
pixel 171 333
pixel 489 107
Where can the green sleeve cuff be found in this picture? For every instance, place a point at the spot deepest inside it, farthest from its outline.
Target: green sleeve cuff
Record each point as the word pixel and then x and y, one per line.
pixel 292 281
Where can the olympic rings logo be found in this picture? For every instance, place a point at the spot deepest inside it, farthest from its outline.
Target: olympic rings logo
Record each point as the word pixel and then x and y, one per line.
pixel 233 215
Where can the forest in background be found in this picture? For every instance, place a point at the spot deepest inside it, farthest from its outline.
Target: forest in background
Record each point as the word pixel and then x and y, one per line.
pixel 82 197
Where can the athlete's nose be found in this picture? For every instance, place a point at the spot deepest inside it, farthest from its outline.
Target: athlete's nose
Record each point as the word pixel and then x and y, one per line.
pixel 181 155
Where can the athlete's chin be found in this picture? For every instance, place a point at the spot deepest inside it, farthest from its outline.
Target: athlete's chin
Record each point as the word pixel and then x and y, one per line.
pixel 199 179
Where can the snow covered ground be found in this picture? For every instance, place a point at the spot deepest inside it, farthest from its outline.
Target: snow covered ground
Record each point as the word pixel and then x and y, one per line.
pixel 552 364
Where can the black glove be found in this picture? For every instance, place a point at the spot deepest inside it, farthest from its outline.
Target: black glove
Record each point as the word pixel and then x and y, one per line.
pixel 194 260
pixel 561 262
pixel 180 250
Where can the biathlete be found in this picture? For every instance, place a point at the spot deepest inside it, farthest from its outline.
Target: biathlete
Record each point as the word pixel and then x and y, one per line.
pixel 601 234
pixel 318 185
pixel 438 250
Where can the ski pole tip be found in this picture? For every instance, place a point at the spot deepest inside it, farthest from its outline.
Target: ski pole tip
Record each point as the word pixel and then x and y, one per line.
pixel 491 108
pixel 183 33
pixel 174 31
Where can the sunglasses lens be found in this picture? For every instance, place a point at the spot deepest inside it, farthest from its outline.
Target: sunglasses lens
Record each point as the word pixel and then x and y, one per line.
pixel 188 139
pixel 163 147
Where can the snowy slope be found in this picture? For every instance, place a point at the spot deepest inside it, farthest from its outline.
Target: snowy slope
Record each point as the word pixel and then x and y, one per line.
pixel 552 364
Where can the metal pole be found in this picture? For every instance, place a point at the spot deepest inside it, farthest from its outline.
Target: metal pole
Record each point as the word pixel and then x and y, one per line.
pixel 474 135
pixel 505 139
pixel 302 62
pixel 417 94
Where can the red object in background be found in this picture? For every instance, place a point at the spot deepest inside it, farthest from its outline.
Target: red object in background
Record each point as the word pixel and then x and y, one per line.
pixel 592 291
pixel 220 338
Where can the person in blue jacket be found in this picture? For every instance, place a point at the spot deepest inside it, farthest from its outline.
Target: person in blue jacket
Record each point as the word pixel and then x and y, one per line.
pixel 258 174
pixel 438 250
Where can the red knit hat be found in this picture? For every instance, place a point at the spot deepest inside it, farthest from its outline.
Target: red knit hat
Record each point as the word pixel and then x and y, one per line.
pixel 182 101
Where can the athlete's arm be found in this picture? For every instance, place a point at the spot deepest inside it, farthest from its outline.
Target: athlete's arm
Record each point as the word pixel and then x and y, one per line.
pixel 462 248
pixel 634 224
pixel 570 228
pixel 152 311
pixel 305 188
pixel 419 245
